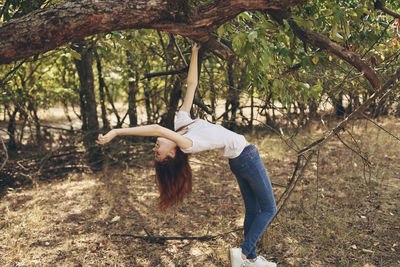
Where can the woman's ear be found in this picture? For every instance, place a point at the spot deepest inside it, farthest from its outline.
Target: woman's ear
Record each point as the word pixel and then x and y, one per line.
pixel 172 152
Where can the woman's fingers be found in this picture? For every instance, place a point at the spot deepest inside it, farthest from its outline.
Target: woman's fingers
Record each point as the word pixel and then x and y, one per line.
pixel 196 46
pixel 102 139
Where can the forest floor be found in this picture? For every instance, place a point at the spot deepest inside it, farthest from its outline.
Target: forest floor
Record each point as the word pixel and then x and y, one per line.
pixel 342 212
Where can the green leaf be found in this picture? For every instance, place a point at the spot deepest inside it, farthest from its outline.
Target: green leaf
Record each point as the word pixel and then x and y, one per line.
pixel 252 36
pixel 75 54
pixel 315 90
pixel 221 30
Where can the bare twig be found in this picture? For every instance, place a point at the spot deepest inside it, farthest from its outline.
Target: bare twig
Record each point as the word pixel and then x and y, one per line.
pixel 5 150
pixel 383 92
pixel 358 153
pixel 3 80
pixel 180 52
pixel 380 127
pixel 294 180
pixel 317 184
pixel 161 239
pixel 164 73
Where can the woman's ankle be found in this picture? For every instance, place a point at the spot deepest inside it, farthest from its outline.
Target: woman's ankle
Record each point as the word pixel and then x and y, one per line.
pixel 244 257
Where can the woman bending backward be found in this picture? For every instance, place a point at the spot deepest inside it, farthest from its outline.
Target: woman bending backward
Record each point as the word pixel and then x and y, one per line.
pixel 174 176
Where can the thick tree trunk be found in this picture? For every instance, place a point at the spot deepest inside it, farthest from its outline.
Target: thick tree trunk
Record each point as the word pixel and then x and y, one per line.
pixel 48 28
pixel 85 72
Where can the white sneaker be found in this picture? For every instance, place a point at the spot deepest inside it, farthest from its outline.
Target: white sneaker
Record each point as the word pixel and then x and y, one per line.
pixel 260 262
pixel 236 257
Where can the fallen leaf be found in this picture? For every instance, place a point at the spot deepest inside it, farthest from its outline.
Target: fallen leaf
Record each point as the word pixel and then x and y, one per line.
pixel 367 250
pixel 116 219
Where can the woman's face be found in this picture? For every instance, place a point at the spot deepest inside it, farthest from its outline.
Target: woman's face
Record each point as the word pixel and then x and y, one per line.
pixel 163 148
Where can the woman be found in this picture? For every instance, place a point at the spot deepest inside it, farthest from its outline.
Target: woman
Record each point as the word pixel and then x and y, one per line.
pixel 174 175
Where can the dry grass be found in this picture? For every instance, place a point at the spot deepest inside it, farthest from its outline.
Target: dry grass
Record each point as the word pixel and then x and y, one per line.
pixel 345 216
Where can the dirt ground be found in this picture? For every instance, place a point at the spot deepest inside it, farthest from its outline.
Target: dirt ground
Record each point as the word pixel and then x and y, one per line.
pixel 342 213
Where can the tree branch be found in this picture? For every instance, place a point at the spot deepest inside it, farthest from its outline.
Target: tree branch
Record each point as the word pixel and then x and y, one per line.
pixel 162 239
pixel 379 5
pixel 163 73
pixel 6 152
pixel 48 28
pixel 323 42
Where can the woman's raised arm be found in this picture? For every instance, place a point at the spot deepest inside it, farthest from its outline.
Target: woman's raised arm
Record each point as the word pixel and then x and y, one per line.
pixel 147 130
pixel 192 80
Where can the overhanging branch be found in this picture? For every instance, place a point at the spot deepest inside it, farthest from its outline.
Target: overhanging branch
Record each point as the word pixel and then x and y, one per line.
pixel 378 5
pixel 323 42
pixel 48 28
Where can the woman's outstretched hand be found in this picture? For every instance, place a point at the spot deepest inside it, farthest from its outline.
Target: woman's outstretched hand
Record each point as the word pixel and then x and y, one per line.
pixel 196 47
pixel 104 139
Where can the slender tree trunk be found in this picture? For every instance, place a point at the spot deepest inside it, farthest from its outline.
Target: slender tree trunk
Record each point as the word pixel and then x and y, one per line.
pixel 132 108
pixel 251 107
pixel 132 91
pixel 83 115
pixel 147 103
pixel 397 111
pixel 338 105
pixel 85 72
pixel 106 123
pixel 270 121
pixel 65 105
pixel 173 102
pixel 12 145
pixel 232 101
pixel 313 109
pixel 213 94
pixel 229 103
pixel 36 119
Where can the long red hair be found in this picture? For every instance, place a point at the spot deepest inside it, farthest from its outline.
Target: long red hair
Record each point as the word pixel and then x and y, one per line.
pixel 174 179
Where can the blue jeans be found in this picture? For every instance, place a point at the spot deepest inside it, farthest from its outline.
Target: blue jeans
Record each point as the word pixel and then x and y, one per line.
pixel 257 194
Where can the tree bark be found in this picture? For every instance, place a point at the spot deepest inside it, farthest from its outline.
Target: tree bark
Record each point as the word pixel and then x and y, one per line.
pixel 133 87
pixel 48 28
pixel 232 100
pixel 106 123
pixel 85 71
pixel 169 117
pixel 132 109
pixel 12 144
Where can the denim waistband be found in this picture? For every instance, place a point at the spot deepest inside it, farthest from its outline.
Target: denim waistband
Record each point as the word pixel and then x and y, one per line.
pixel 246 151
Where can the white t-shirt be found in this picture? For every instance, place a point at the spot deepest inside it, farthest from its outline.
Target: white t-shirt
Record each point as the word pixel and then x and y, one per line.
pixel 206 136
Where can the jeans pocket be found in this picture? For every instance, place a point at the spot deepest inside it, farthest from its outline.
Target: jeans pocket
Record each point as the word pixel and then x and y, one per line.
pixel 238 166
